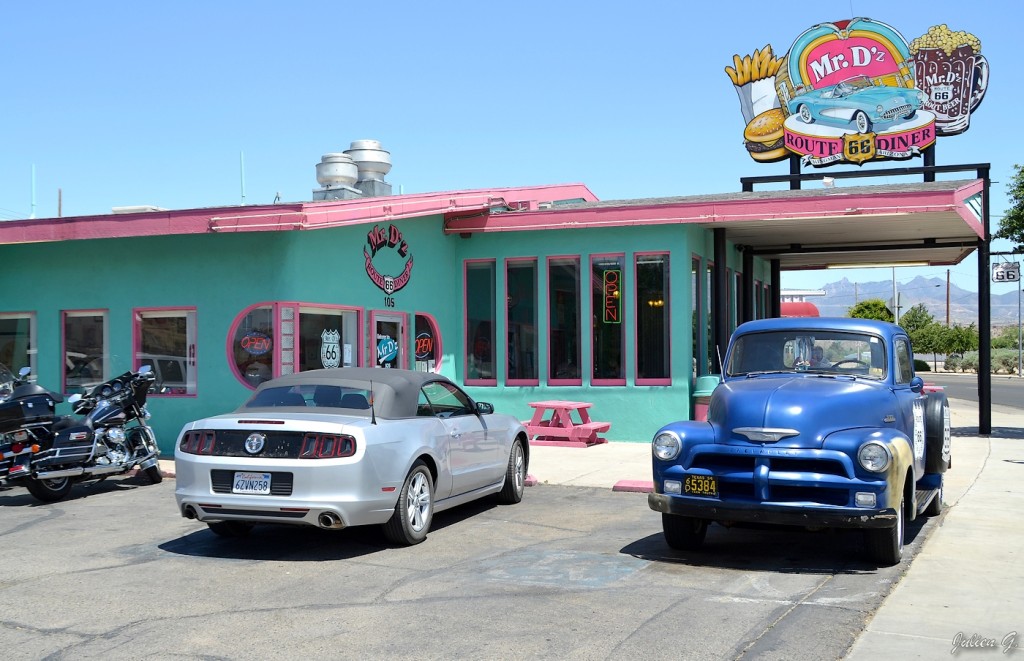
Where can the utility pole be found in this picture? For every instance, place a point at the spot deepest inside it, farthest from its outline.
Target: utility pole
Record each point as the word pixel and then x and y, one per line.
pixel 947 298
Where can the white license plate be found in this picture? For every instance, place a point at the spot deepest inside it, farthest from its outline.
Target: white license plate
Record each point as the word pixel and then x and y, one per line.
pixel 257 483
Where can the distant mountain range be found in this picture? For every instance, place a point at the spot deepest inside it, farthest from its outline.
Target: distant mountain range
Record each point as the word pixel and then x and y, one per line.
pixel 963 304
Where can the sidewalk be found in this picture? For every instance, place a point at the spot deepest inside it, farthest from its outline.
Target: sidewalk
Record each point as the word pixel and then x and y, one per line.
pixel 966 584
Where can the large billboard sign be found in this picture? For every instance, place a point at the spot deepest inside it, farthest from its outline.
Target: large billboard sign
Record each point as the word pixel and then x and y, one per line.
pixel 854 91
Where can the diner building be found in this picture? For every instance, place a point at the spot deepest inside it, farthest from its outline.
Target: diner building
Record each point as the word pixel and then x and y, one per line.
pixel 517 294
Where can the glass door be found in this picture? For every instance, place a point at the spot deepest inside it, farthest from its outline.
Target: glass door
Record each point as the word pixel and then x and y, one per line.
pixel 388 340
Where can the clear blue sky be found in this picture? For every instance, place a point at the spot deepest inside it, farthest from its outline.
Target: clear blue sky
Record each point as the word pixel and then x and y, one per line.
pixel 124 103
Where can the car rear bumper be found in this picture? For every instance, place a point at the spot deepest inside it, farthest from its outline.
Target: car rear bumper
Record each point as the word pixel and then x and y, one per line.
pixel 772 513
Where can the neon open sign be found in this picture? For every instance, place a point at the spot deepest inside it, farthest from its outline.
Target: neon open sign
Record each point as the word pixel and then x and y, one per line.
pixel 612 298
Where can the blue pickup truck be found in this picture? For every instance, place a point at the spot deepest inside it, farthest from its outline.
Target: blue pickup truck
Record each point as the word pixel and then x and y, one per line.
pixel 817 422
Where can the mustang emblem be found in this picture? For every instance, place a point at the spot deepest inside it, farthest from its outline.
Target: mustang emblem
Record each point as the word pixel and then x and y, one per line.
pixel 254 443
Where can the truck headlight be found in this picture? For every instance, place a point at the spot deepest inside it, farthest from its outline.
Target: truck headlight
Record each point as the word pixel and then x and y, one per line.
pixel 666 446
pixel 874 456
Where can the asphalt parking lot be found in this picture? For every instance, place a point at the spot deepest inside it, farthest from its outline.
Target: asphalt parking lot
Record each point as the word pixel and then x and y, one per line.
pixel 571 572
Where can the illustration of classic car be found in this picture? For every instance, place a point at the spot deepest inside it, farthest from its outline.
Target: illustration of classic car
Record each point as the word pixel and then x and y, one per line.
pixel 857 101
pixel 855 440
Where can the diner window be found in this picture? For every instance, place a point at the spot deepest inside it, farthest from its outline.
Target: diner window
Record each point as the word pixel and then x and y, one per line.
pixel 327 337
pixel 85 349
pixel 758 303
pixel 709 318
pixel 521 316
pixel 165 339
pixel 18 341
pixel 252 345
pixel 564 321
pixel 607 304
pixel 480 323
pixel 696 325
pixel 737 308
pixel 428 344
pixel 653 353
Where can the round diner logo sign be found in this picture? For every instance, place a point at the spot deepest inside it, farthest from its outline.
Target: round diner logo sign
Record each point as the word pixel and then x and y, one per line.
pixel 854 91
pixel 378 239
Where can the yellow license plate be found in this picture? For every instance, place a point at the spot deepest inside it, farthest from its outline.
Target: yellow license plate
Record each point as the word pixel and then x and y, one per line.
pixel 700 485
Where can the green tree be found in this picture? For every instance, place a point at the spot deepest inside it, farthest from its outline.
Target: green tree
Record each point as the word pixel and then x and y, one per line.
pixel 961 339
pixel 916 318
pixel 1012 225
pixel 1007 338
pixel 929 339
pixel 872 308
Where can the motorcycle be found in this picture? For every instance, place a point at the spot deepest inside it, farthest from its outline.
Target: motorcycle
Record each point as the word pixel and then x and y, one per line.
pixel 110 438
pixel 26 421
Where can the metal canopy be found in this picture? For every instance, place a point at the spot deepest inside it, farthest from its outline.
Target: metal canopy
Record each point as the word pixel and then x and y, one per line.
pixel 875 227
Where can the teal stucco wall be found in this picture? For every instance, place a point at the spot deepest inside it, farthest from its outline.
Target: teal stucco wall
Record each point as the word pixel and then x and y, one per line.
pixel 222 274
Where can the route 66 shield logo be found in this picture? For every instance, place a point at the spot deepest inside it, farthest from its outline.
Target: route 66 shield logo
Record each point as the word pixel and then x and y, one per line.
pixel 330 354
pixel 859 147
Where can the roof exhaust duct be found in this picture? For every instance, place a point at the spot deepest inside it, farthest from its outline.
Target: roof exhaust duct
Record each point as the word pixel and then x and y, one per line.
pixel 372 163
pixel 336 173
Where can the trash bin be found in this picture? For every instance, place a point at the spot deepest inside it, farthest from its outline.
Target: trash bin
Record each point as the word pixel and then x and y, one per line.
pixel 702 395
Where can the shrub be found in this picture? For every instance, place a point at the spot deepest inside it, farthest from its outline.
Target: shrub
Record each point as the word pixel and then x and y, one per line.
pixel 954 363
pixel 921 366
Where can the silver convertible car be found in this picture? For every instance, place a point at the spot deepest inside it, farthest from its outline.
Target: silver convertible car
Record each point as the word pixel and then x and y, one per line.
pixel 348 447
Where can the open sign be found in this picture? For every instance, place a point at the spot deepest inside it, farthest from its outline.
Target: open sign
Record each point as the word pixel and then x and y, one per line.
pixel 255 343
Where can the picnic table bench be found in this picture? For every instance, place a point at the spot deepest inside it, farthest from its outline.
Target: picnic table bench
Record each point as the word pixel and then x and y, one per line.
pixel 560 428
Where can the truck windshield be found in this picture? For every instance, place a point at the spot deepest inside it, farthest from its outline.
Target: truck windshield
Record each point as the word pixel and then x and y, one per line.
pixel 830 352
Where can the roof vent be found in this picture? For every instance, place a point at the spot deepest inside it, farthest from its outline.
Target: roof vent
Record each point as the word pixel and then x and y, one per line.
pixel 336 170
pixel 372 161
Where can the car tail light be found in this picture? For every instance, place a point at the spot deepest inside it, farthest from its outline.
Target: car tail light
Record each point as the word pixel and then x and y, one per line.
pixel 327 446
pixel 198 442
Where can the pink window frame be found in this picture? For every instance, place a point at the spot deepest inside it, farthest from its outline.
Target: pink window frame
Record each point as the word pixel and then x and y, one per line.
pixel 622 310
pixel 371 338
pixel 579 316
pixel 193 360
pixel 438 344
pixel 276 307
pixel 275 360
pixel 64 314
pixel 661 381
pixel 297 307
pixel 536 298
pixel 465 325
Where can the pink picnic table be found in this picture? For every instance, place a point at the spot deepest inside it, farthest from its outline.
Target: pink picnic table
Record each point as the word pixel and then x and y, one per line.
pixel 560 428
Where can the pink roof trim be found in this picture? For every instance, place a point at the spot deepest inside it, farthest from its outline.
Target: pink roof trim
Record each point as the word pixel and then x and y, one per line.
pixel 282 217
pixel 708 212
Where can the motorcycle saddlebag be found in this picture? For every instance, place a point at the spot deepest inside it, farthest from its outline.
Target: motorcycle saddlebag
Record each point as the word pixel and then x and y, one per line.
pixel 20 412
pixel 71 444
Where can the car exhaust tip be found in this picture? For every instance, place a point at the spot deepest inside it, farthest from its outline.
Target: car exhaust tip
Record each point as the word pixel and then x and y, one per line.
pixel 329 520
pixel 189 512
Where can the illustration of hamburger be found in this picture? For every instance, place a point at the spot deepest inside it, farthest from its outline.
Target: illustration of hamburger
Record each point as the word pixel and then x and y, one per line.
pixel 753 76
pixel 764 137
